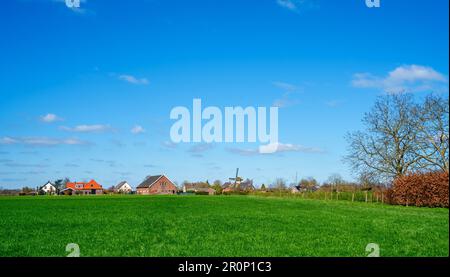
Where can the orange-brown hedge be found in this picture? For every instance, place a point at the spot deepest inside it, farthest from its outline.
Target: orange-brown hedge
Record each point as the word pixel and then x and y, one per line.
pixel 421 189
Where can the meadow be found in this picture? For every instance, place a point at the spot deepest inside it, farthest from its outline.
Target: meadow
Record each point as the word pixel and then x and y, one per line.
pixel 216 226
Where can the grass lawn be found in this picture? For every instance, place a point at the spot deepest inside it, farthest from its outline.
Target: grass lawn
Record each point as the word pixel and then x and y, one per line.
pixel 216 226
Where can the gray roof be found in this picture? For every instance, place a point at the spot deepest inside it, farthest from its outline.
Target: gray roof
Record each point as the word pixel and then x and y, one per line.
pixel 46 184
pixel 245 185
pixel 120 184
pixel 149 181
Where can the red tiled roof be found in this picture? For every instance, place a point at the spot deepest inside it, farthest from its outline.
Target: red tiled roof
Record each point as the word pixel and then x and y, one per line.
pixel 92 184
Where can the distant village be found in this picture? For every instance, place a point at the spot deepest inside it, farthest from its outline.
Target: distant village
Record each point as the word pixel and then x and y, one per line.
pixel 334 188
pixel 152 185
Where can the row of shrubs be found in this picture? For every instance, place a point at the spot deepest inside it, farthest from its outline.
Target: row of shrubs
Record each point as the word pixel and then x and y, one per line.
pixel 421 190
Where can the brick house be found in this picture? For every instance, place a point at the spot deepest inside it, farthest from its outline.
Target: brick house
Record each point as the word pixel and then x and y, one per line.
pixel 158 184
pixel 91 187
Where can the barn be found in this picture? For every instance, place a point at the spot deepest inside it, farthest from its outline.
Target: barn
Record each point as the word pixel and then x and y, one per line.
pixel 157 184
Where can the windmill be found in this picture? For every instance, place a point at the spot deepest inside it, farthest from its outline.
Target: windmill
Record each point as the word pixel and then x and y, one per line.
pixel 237 180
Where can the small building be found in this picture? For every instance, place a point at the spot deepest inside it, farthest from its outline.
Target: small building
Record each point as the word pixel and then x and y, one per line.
pixel 91 187
pixel 246 185
pixel 123 187
pixel 198 188
pixel 158 184
pixel 296 189
pixel 48 188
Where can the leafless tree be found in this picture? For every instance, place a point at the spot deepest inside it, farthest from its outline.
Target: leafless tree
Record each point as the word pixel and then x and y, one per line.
pixel 280 184
pixel 432 133
pixel 335 180
pixel 388 146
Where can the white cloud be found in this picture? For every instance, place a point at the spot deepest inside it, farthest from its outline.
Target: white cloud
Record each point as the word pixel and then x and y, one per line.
pixel 98 128
pixel 285 86
pixel 296 5
pixel 282 147
pixel 200 148
pixel 243 152
pixel 273 148
pixel 288 4
pixel 133 80
pixel 41 141
pixel 409 78
pixel 284 102
pixel 169 144
pixel 137 130
pixel 8 140
pixel 49 118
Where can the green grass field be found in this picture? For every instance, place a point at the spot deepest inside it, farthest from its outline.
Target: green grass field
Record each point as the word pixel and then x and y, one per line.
pixel 216 226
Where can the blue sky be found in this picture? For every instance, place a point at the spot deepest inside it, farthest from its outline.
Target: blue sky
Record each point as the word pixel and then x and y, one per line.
pixel 87 93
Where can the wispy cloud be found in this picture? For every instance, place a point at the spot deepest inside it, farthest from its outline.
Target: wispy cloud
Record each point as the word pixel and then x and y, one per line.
pixel 123 173
pixel 18 165
pixel 13 180
pixel 297 5
pixel 110 163
pixel 285 86
pixel 284 102
pixel 274 148
pixel 287 147
pixel 288 4
pixel 49 118
pixel 200 148
pixel 242 151
pixel 406 78
pixel 133 80
pixel 334 103
pixel 137 129
pixel 8 140
pixel 97 128
pixel 71 165
pixel 169 144
pixel 41 141
pixel 286 99
pixel 118 143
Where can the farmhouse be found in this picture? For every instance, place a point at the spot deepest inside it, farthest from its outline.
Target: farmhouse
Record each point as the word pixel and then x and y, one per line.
pixel 296 189
pixel 91 187
pixel 198 187
pixel 158 184
pixel 246 185
pixel 48 188
pixel 123 187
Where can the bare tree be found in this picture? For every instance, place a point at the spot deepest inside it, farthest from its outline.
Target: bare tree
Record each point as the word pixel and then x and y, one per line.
pixel 387 147
pixel 432 129
pixel 335 180
pixel 280 184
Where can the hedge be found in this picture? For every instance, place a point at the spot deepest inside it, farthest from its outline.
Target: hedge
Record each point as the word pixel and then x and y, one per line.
pixel 421 190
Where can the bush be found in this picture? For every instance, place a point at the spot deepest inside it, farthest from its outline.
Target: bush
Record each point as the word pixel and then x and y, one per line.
pixel 201 193
pixel 421 190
